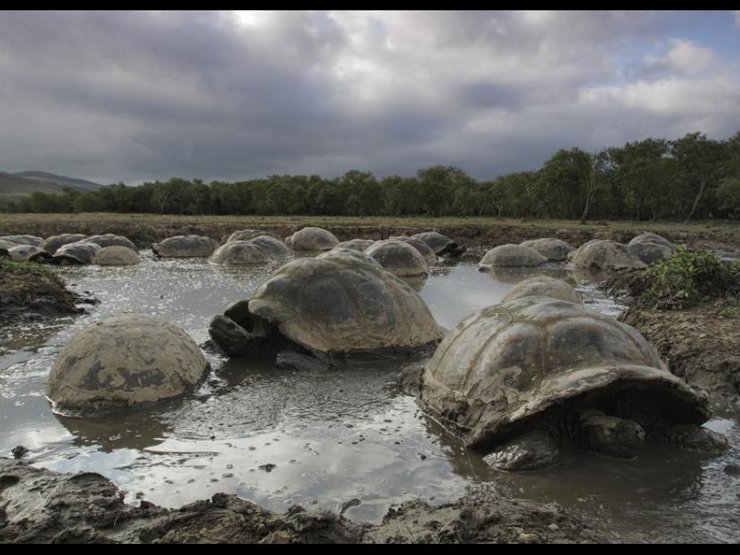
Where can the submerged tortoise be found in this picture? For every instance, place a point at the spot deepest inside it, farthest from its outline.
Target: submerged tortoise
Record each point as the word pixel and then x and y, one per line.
pixel 312 239
pixel 22 239
pixel 247 234
pixel 53 243
pixel 110 239
pixel 555 250
pixel 185 246
pixel 398 257
pixel 430 257
pixel 116 255
pixel 356 244
pixel 440 244
pixel 239 253
pixel 28 253
pixel 511 256
pixel 79 252
pixel 271 246
pixel 603 254
pixel 651 247
pixel 123 361
pixel 524 376
pixel 340 304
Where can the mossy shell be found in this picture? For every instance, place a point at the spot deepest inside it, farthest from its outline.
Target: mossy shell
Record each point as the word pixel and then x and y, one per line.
pixel 123 361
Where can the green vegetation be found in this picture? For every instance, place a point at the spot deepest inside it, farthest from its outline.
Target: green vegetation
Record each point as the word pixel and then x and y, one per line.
pixel 11 268
pixel 690 178
pixel 689 277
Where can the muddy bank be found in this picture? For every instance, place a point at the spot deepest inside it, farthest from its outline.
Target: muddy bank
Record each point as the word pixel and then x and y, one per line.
pixel 699 344
pixel 30 292
pixel 150 230
pixel 40 506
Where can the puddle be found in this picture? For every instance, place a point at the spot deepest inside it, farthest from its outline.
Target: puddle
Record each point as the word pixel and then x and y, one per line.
pixel 341 440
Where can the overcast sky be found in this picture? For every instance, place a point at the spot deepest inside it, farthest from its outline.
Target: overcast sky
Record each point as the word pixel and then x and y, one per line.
pixel 134 96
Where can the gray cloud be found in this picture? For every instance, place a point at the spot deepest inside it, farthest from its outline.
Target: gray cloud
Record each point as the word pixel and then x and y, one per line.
pixel 134 96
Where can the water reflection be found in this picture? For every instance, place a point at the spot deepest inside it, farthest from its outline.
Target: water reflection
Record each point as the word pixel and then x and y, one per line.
pixel 126 430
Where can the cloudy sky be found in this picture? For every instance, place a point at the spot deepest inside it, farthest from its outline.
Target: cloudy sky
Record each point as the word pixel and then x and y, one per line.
pixel 132 96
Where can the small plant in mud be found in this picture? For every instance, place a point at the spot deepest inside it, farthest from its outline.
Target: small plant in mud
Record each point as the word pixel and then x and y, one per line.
pixel 688 277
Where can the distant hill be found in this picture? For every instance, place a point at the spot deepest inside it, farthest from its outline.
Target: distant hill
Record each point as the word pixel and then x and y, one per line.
pixel 25 183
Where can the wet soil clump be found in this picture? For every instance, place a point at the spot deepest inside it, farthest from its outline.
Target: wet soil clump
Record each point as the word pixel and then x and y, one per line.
pixel 31 292
pixel 41 506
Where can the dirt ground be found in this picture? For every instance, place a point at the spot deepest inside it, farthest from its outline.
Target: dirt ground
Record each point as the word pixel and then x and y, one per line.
pixel 40 506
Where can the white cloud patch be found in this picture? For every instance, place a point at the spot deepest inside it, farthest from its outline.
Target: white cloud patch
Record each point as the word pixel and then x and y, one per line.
pixel 235 95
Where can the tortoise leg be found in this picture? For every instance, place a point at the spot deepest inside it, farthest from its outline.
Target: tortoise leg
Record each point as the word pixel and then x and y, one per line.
pixel 694 438
pixel 533 450
pixel 609 435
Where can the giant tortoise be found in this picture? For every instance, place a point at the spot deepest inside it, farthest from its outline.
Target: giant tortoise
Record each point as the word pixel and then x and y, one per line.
pixel 312 239
pixel 340 304
pixel 555 250
pixel 79 252
pixel 356 244
pixel 247 234
pixel 34 240
pixel 651 247
pixel 28 253
pixel 603 254
pixel 398 257
pixel 239 253
pixel 110 239
pixel 53 243
pixel 543 286
pixel 521 377
pixel 440 244
pixel 123 361
pixel 185 246
pixel 271 246
pixel 425 250
pixel 116 255
pixel 511 256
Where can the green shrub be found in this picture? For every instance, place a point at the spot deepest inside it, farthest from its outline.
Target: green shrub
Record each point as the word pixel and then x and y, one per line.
pixel 688 277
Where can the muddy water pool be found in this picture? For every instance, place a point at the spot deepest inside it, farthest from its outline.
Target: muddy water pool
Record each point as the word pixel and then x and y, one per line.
pixel 343 440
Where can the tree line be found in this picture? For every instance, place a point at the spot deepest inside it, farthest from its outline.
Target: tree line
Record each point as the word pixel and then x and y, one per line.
pixel 689 178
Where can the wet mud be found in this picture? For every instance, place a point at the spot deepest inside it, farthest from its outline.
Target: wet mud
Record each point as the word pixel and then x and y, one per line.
pixel 40 506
